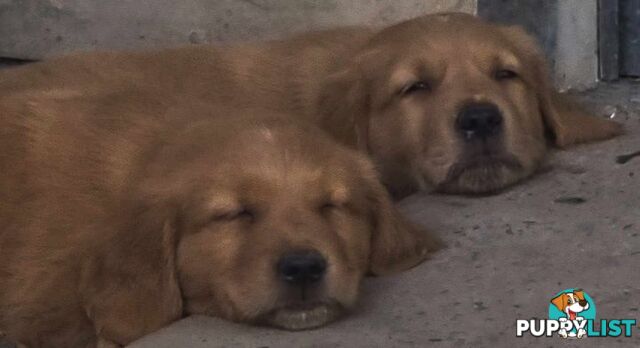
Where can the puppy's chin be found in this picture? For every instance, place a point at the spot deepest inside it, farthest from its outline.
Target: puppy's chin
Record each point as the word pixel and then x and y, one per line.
pixel 305 316
pixel 483 175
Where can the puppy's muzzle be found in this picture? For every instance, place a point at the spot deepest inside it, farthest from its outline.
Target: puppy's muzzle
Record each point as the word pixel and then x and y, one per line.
pixel 478 121
pixel 301 268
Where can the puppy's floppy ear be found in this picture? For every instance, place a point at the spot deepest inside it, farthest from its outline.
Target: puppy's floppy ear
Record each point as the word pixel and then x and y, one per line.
pixel 130 288
pixel 579 294
pixel 343 105
pixel 396 243
pixel 570 124
pixel 567 122
pixel 561 301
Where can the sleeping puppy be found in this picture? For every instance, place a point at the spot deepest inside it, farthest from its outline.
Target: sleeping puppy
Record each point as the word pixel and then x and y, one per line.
pixel 446 102
pixel 456 104
pixel 118 219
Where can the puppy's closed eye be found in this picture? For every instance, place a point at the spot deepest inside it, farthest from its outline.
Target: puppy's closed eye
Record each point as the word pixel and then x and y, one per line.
pixel 331 208
pixel 328 207
pixel 505 74
pixel 239 214
pixel 415 87
pixel 336 200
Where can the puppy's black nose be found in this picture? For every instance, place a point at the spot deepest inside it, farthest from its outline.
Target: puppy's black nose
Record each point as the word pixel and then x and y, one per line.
pixel 479 121
pixel 583 303
pixel 302 267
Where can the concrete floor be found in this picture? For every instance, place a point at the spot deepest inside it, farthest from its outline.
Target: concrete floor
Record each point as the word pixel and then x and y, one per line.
pixel 576 224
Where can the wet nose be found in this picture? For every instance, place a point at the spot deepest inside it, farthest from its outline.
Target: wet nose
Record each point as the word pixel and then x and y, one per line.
pixel 583 303
pixel 302 267
pixel 479 121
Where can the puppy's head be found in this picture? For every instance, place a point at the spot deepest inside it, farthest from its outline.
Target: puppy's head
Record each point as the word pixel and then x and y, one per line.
pixel 273 223
pixel 452 102
pixel 572 302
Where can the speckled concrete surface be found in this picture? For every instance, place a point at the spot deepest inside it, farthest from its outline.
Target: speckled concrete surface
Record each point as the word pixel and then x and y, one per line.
pixel 576 224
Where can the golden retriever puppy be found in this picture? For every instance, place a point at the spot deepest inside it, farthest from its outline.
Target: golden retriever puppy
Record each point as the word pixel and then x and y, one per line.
pixel 446 101
pixel 118 219
pixel 456 103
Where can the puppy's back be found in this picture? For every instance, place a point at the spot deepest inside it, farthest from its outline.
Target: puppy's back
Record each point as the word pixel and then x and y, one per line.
pixel 281 75
pixel 68 161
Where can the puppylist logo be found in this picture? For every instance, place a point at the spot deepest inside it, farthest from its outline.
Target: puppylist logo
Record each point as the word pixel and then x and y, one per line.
pixel 572 315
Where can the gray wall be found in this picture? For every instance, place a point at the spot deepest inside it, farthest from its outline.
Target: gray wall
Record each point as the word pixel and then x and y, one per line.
pixel 567 30
pixel 35 29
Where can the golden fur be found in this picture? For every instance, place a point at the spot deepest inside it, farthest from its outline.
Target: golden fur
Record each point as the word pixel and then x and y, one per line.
pixel 353 82
pixel 119 218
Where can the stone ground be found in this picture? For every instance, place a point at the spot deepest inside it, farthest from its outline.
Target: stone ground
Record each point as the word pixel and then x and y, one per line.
pixel 576 224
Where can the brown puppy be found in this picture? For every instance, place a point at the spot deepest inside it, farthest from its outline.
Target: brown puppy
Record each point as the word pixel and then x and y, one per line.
pixel 445 102
pixel 456 103
pixel 118 219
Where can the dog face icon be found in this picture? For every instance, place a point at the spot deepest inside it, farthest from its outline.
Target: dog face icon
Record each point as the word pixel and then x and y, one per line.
pixel 571 303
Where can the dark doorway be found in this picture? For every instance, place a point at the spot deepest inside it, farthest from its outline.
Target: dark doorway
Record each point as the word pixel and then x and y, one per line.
pixel 619 41
pixel 630 38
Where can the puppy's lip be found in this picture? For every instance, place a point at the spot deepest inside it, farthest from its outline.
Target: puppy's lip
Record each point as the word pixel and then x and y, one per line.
pixel 483 162
pixel 304 315
pixel 489 169
pixel 490 159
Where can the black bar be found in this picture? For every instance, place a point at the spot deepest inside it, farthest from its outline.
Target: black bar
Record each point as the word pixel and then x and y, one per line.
pixel 608 40
pixel 629 38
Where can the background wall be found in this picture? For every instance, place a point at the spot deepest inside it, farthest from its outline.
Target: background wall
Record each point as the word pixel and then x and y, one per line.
pixel 33 29
pixel 567 29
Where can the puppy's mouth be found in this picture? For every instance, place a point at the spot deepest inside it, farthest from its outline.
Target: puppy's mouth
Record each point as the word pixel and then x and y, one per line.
pixel 303 315
pixel 482 173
